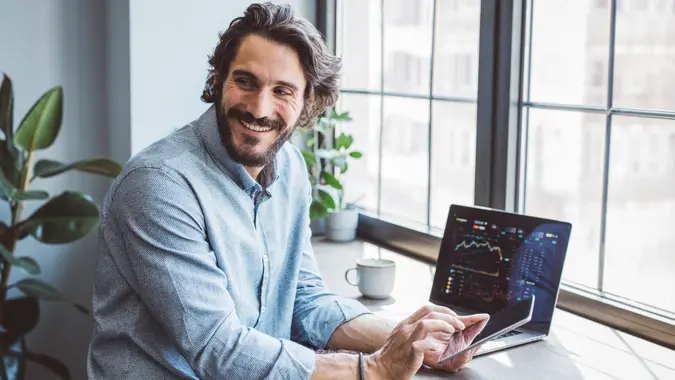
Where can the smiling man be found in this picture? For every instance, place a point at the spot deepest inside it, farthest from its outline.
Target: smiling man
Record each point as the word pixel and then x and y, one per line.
pixel 206 269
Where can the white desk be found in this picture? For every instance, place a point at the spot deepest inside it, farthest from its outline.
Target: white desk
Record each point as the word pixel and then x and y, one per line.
pixel 576 349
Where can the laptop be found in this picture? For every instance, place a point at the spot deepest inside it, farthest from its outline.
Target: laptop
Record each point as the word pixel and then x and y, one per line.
pixel 491 258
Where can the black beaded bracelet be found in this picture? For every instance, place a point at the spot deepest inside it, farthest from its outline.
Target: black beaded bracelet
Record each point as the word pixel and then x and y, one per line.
pixel 361 366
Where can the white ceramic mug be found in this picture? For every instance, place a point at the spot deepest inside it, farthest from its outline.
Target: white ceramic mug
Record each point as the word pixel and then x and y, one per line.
pixel 374 277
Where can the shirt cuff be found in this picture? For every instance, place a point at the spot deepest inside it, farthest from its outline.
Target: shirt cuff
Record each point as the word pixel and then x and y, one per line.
pixel 295 362
pixel 331 316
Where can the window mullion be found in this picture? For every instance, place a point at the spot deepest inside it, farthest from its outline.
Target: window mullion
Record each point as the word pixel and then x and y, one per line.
pixel 608 140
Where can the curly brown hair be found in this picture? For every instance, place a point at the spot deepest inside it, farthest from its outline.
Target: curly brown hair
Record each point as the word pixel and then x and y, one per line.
pixel 278 23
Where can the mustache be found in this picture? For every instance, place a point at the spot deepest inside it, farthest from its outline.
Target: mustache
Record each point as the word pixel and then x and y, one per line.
pixel 247 117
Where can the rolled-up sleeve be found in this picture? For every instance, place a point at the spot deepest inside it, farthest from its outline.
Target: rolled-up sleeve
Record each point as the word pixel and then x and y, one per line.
pixel 317 312
pixel 171 267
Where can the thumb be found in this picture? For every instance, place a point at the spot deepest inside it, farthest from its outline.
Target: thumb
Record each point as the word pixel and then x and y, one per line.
pixel 469 320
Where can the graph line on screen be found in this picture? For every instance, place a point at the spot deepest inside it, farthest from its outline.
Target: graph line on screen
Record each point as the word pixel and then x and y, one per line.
pixel 476 244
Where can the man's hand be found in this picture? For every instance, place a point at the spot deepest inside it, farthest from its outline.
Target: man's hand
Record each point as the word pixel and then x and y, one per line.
pixel 475 324
pixel 412 339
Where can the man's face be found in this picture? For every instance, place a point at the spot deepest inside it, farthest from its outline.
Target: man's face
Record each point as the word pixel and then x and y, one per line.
pixel 262 98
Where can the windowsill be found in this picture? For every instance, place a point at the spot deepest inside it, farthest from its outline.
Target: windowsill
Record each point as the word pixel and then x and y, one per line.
pixel 423 243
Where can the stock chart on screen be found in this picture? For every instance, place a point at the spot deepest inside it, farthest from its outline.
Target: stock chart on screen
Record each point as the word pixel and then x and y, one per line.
pixel 496 264
pixel 490 259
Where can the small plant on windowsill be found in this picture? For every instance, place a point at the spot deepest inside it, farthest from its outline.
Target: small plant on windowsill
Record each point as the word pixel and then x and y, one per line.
pixel 326 167
pixel 61 219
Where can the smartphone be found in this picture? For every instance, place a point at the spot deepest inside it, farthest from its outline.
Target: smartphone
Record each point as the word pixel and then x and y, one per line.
pixel 503 321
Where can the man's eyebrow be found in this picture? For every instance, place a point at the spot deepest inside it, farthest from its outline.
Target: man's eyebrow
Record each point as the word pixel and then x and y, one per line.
pixel 250 75
pixel 244 73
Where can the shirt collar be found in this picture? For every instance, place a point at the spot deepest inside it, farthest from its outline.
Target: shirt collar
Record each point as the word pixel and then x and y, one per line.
pixel 207 126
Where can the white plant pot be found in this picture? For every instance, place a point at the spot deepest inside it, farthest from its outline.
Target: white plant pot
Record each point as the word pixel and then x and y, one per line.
pixel 341 225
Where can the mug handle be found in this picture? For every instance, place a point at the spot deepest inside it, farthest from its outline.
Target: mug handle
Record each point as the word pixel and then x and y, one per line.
pixel 347 277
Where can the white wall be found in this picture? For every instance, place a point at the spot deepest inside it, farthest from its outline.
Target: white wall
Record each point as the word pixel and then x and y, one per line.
pixel 169 45
pixel 132 71
pixel 44 44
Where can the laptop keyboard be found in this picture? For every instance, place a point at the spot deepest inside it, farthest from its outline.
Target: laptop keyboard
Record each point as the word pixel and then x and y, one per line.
pixel 507 334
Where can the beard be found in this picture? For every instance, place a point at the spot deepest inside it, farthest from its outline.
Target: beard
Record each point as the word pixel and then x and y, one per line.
pixel 245 153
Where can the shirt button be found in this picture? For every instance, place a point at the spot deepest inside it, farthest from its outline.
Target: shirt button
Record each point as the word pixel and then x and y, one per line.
pixel 265 258
pixel 263 309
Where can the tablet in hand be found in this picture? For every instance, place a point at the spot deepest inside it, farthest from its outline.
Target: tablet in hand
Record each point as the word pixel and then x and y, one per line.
pixel 499 323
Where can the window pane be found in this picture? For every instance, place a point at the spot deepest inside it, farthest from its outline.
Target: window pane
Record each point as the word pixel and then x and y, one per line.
pixel 359 41
pixel 456 56
pixel 564 181
pixel 644 73
pixel 405 158
pixel 570 52
pixel 641 203
pixel 360 181
pixel 453 165
pixel 407 46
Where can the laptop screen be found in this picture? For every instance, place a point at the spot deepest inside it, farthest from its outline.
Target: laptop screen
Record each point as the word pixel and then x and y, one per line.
pixel 490 259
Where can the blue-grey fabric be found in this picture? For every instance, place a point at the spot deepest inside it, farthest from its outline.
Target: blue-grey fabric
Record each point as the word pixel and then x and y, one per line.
pixel 205 274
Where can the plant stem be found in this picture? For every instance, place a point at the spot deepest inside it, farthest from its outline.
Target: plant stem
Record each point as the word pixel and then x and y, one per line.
pixel 17 210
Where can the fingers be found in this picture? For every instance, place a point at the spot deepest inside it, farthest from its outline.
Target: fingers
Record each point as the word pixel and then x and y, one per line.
pixel 453 320
pixel 469 320
pixel 430 326
pixel 425 345
pixel 426 309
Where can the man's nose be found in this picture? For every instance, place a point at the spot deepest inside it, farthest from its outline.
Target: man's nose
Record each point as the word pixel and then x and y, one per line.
pixel 261 104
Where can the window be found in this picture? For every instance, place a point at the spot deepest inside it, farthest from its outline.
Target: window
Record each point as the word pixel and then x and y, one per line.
pixel 404 71
pixel 566 174
pixel 418 134
pixel 595 137
pixel 598 74
pixel 640 5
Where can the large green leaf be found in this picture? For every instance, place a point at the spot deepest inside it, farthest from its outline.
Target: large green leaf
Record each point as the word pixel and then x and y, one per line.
pixel 9 154
pixel 331 180
pixel 326 199
pixel 337 116
pixel 310 159
pixel 103 166
pixel 42 123
pixel 29 265
pixel 33 287
pixel 343 141
pixel 317 210
pixel 6 106
pixel 11 193
pixel 30 195
pixel 63 219
pixel 19 317
pixel 8 188
pixel 9 164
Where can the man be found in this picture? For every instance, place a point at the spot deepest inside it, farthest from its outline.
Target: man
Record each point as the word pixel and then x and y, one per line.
pixel 206 267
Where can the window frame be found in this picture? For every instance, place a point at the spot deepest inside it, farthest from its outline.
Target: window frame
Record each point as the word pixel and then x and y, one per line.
pixel 502 122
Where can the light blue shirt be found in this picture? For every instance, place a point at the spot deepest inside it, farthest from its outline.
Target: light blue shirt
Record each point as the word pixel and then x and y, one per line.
pixel 205 274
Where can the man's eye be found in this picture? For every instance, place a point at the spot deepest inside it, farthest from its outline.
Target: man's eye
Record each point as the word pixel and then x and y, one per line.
pixel 243 82
pixel 281 91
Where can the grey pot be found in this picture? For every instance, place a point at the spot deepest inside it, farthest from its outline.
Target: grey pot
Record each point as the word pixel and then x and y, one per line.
pixel 341 225
pixel 318 226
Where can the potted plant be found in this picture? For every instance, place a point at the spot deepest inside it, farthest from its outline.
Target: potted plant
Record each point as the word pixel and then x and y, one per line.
pixel 61 219
pixel 326 165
